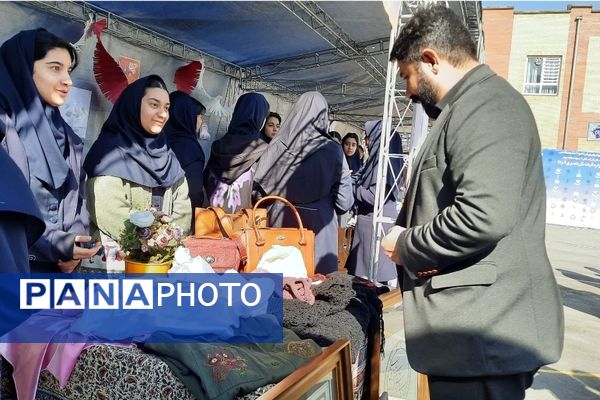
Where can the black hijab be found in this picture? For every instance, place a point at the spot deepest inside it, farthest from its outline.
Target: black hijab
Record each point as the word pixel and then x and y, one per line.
pixel 180 130
pixel 353 161
pixel 241 147
pixel 40 127
pixel 368 173
pixel 303 133
pixel 125 150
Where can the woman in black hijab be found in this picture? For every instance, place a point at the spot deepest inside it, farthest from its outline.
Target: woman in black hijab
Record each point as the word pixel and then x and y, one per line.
pixel 230 170
pixel 35 67
pixel 269 131
pixel 130 165
pixel 350 145
pixel 359 260
pixel 185 121
pixel 305 165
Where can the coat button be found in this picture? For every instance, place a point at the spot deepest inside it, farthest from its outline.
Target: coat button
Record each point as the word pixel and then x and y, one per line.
pixel 54 219
pixel 53 207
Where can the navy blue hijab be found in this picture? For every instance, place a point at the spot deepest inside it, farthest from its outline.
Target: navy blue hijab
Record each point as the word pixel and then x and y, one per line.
pixel 242 146
pixel 16 197
pixel 354 162
pixel 368 173
pixel 180 130
pixel 125 150
pixel 41 130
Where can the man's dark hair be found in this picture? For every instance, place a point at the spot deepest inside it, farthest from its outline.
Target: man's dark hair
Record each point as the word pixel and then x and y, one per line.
pixel 46 41
pixel 438 28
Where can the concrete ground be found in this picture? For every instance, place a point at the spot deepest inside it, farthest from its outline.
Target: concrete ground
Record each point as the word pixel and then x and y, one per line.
pixel 575 257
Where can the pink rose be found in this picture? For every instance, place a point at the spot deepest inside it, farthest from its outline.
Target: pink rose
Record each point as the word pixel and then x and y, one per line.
pixel 163 240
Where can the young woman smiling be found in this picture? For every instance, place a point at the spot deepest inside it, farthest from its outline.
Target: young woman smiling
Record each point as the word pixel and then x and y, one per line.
pixel 35 66
pixel 130 164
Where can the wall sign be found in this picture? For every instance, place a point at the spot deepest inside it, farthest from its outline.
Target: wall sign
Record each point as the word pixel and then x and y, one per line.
pixel 572 188
pixel 130 67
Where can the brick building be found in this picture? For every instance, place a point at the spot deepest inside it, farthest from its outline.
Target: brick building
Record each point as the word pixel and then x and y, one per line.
pixel 535 52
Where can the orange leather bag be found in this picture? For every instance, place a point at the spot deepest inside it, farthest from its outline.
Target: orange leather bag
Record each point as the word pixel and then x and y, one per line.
pixel 259 240
pixel 211 221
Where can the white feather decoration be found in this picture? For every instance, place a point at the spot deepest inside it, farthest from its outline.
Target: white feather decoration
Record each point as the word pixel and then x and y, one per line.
pixel 87 32
pixel 213 104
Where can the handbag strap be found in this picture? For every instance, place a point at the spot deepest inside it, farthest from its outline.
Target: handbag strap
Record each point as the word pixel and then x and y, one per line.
pixel 218 212
pixel 241 248
pixel 224 221
pixel 259 239
pixel 251 214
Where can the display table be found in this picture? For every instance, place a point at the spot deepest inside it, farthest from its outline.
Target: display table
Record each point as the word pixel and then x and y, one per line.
pixel 113 372
pixel 126 372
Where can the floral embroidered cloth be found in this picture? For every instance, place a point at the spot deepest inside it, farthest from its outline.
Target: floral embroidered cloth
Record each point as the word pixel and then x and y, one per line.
pixel 224 371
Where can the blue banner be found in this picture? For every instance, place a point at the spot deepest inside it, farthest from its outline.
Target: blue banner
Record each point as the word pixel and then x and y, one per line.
pixel 572 188
pixel 117 308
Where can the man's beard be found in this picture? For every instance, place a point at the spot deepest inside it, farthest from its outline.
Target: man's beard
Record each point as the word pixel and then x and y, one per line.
pixel 426 96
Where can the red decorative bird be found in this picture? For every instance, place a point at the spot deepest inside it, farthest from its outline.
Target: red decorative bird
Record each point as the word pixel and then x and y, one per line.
pixel 186 77
pixel 110 77
pixel 112 80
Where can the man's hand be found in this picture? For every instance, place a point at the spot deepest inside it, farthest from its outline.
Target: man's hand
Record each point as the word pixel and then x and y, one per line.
pixel 388 243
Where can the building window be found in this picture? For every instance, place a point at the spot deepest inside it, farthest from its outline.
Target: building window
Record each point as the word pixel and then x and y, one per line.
pixel 542 75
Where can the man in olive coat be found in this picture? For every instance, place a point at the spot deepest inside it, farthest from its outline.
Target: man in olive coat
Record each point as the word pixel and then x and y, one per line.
pixel 482 310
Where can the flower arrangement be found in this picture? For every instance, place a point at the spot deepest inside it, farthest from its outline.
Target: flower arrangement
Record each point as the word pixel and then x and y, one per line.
pixel 150 236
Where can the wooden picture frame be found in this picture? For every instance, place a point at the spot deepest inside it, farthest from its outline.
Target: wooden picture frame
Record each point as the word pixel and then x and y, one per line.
pixel 328 376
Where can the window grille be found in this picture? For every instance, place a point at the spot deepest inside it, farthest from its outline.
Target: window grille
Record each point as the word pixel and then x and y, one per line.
pixel 542 75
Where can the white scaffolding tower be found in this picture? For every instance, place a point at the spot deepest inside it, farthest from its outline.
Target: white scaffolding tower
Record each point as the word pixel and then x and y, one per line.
pixel 401 117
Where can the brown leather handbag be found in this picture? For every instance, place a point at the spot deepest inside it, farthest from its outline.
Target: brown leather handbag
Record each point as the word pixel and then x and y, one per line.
pixel 259 240
pixel 221 253
pixel 213 221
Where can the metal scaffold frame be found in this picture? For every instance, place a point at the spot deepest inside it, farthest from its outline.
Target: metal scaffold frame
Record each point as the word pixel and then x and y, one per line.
pixel 318 59
pixel 364 94
pixel 397 109
pixel 344 48
pixel 136 34
pixel 261 77
pixel 326 27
